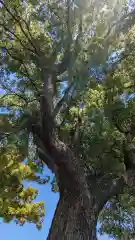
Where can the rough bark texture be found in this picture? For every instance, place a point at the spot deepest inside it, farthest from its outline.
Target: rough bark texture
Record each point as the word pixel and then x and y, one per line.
pixel 77 212
pixel 79 206
pixel 74 219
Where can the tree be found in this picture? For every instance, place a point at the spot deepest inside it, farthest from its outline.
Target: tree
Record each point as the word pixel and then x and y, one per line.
pixel 86 134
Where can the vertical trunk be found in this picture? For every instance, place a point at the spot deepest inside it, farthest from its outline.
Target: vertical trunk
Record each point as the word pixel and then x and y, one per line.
pixel 77 210
pixel 79 206
pixel 76 213
pixel 74 219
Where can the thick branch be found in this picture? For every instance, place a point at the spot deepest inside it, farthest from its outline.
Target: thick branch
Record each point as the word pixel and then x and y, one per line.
pixel 114 188
pixel 68 54
pixel 44 156
pixel 128 150
pixel 105 187
pixel 63 99
pixel 62 67
pixel 47 121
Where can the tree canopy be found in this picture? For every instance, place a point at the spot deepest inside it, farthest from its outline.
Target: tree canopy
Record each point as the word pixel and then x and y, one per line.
pixel 88 53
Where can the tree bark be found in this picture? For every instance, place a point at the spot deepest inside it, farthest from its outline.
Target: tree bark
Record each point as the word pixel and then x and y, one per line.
pixel 80 204
pixel 76 213
pixel 74 219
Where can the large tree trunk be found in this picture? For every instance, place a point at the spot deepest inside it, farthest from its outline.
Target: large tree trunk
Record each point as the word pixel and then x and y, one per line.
pixel 81 200
pixel 75 218
pixel 80 204
pixel 77 211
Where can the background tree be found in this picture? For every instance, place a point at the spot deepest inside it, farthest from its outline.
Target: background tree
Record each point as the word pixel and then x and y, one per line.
pixel 84 134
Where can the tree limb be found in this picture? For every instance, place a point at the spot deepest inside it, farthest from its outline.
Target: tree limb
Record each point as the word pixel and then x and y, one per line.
pixel 106 187
pixel 47 123
pixel 68 54
pixel 62 67
pixel 115 188
pixel 44 156
pixel 63 99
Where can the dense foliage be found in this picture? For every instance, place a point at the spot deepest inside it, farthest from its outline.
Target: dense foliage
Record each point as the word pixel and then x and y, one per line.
pixel 91 92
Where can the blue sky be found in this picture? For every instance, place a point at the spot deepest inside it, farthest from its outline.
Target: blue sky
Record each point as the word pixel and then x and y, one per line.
pixel 28 231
